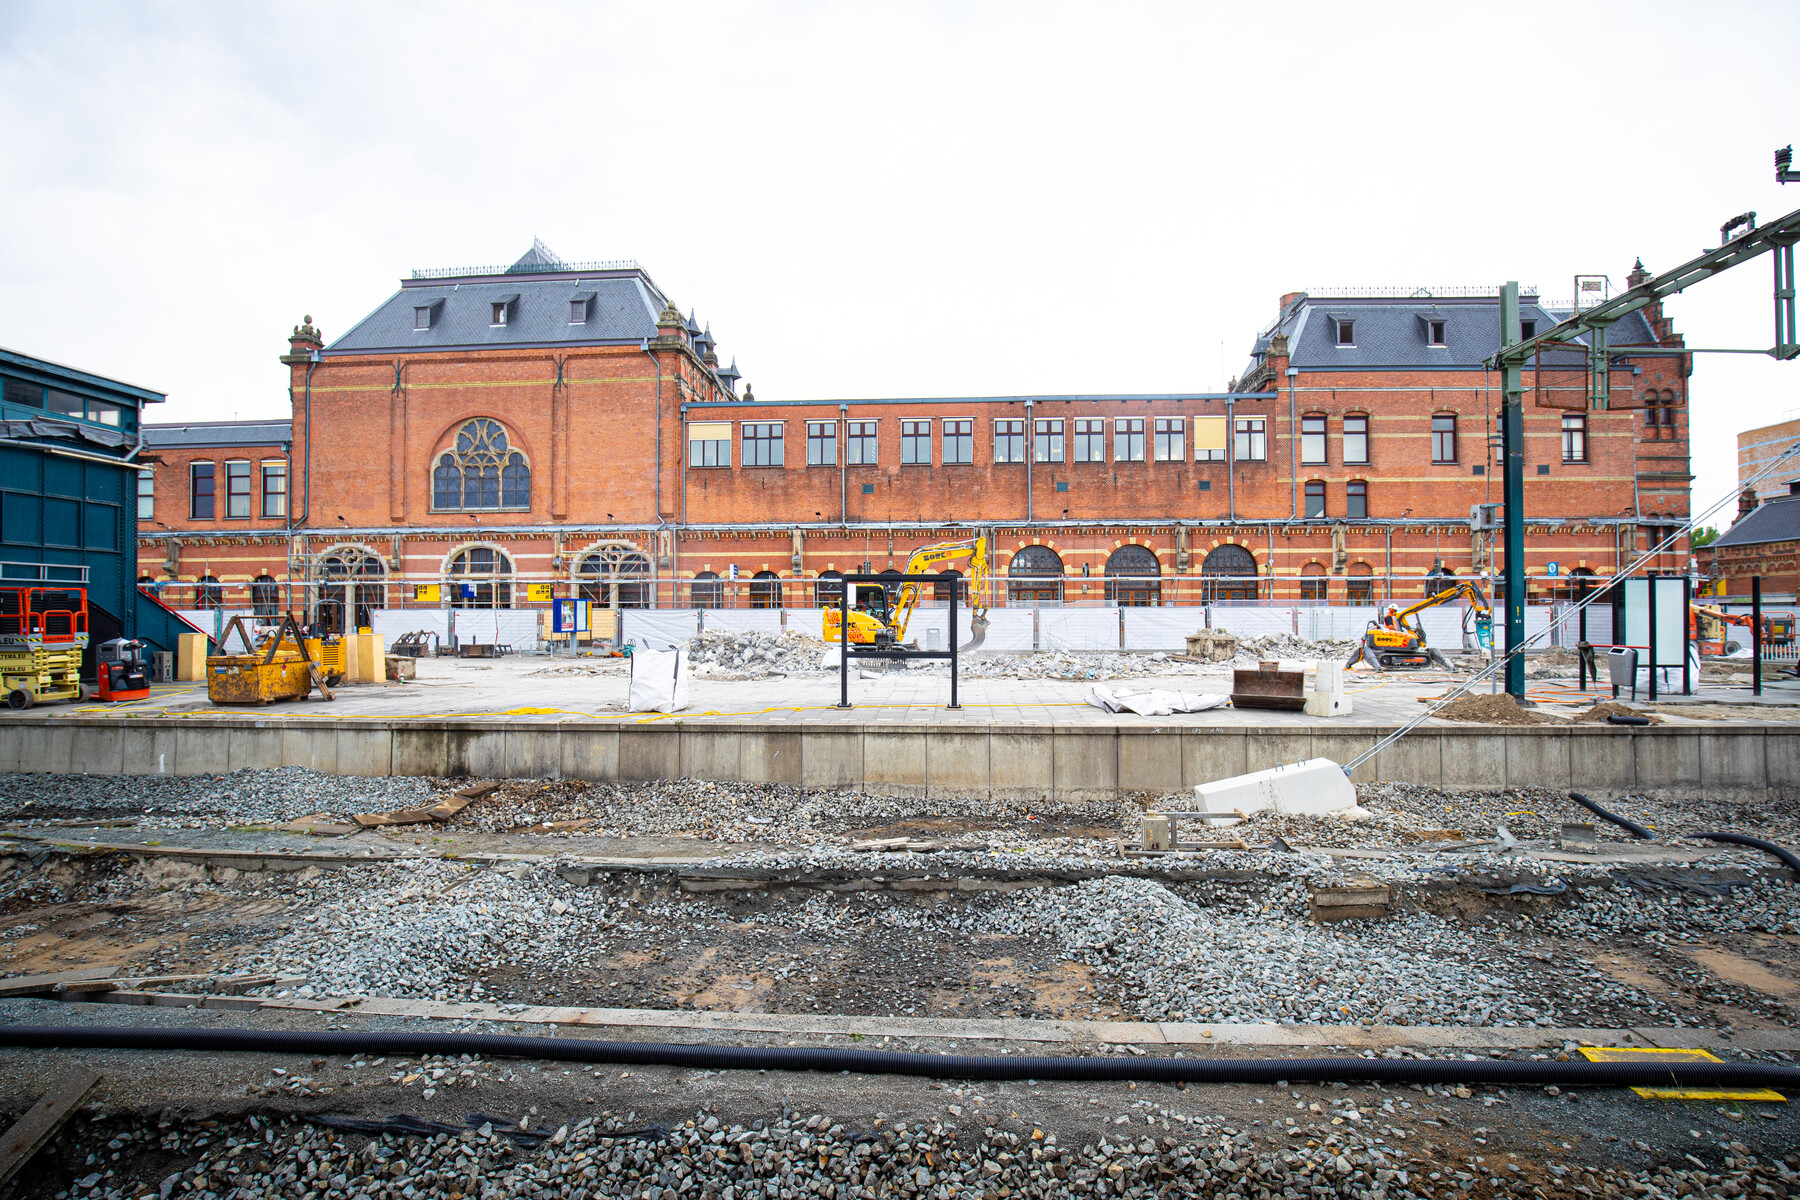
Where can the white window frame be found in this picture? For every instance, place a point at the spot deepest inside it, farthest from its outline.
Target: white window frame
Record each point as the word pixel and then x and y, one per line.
pixel 778 440
pixel 1312 440
pixel 1053 431
pixel 1363 434
pixel 1169 439
pixel 1122 435
pixel 966 431
pixel 909 441
pixel 827 444
pixel 264 471
pixel 1012 427
pixel 248 476
pixel 1250 439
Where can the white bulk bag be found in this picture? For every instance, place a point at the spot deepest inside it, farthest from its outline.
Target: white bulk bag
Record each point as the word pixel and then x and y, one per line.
pixel 659 680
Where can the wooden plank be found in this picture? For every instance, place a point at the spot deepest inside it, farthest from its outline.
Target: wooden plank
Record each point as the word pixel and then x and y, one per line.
pixel 320 825
pixel 460 800
pixel 70 986
pixel 407 816
pixel 32 985
pixel 43 1119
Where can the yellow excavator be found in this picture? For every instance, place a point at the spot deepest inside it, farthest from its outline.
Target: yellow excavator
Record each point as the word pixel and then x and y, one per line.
pixel 873 623
pixel 1397 642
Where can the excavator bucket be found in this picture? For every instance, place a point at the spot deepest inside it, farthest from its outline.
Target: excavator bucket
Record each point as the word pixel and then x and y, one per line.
pixel 977 635
pixel 1268 687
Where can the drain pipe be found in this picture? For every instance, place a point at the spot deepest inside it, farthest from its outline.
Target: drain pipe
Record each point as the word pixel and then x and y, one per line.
pixel 844 465
pixel 939 1066
pixel 1231 455
pixel 655 362
pixel 1030 456
pixel 1293 448
pixel 306 469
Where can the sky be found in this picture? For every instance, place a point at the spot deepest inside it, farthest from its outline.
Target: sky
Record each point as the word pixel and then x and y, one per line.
pixel 872 199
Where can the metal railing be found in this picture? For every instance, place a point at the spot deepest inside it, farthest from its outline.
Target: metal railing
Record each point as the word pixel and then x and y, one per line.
pixel 37 572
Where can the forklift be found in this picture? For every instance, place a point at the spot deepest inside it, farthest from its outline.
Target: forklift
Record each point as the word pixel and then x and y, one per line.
pixel 43 631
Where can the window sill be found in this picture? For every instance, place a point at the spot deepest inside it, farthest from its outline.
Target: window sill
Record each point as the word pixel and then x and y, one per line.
pixel 460 511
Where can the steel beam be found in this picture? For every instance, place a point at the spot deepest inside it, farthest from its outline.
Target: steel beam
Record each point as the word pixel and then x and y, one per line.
pixel 1778 234
pixel 1512 450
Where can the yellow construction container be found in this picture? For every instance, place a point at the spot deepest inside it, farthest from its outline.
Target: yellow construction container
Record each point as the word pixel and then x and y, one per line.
pixel 257 678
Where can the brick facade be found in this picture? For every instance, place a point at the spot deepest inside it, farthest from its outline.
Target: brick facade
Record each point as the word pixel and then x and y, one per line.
pixel 613 438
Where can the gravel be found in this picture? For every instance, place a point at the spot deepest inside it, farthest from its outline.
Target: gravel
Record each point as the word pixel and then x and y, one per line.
pixel 253 796
pixel 1150 1151
pixel 754 654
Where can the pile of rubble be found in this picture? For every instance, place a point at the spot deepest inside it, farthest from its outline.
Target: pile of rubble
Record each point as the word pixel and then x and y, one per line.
pixel 753 653
pixel 1291 647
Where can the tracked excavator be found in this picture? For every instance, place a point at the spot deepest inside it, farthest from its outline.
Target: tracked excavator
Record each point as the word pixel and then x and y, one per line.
pixel 872 620
pixel 1397 642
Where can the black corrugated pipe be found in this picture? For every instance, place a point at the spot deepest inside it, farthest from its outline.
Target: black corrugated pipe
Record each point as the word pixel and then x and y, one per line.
pixel 938 1066
pixel 1743 839
pixel 1631 827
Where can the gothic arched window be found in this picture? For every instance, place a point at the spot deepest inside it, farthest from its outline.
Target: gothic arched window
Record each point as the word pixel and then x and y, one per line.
pixel 481 470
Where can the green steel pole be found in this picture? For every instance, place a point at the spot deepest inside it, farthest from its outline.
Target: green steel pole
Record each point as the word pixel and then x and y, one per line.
pixel 1512 448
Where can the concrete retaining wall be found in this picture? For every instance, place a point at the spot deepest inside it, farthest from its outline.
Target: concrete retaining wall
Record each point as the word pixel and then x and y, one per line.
pixel 1741 761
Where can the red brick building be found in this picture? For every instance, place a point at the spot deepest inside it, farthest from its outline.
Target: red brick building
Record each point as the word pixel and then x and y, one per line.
pixel 494 437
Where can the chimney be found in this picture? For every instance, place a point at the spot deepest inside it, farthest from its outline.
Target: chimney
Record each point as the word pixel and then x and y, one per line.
pixel 303 342
pixel 670 326
pixel 1289 298
pixel 1639 273
pixel 1747 502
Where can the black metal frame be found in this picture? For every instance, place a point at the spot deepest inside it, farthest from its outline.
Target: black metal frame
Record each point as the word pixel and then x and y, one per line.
pixel 848 652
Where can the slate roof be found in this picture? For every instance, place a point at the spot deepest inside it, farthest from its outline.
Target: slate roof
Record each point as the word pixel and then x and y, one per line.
pixel 1393 333
pixel 1776 520
pixel 200 434
pixel 623 309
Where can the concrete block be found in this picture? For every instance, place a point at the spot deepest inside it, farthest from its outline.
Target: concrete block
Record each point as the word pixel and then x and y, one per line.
pixel 1157 833
pixel 1150 761
pixel 190 657
pixel 589 753
pixel 1025 771
pixel 831 758
pixel 203 750
pixel 1601 759
pixel 98 749
pixel 532 751
pixel 1472 760
pixel 419 751
pixel 1085 764
pixel 479 751
pixel 1781 753
pixel 895 758
pixel 1734 760
pixel 1537 758
pixel 710 753
pixel 313 746
pixel 1315 786
pixel 650 752
pixel 766 756
pixel 958 764
pixel 364 750
pixel 48 748
pixel 253 748
pixel 1327 704
pixel 1208 754
pixel 1667 758
pixel 147 750
pixel 1343 746
pixel 371 657
pixel 1415 758
pixel 12 744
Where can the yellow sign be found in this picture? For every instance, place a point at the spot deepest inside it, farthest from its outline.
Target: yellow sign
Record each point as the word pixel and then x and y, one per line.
pixel 1209 433
pixel 540 593
pixel 425 593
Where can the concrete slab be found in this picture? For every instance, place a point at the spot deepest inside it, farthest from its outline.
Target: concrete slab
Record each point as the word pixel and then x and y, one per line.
pixel 1209 754
pixel 895 762
pixel 1733 763
pixel 1021 765
pixel 710 753
pixel 1471 760
pixel 364 749
pixel 533 751
pixel 650 753
pixel 1541 761
pixel 958 763
pixel 1150 761
pixel 99 749
pixel 1084 763
pixel 831 758
pixel 418 750
pixel 253 748
pixel 589 752
pixel 772 757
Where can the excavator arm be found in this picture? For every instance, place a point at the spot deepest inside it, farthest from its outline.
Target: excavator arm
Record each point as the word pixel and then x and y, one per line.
pixel 929 560
pixel 1471 592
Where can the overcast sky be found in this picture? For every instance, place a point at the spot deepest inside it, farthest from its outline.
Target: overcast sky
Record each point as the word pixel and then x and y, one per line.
pixel 880 200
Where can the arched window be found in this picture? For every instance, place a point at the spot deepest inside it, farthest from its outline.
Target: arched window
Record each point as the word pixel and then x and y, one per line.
pixel 765 590
pixel 209 592
pixel 829 590
pixel 481 470
pixel 265 596
pixel 1229 573
pixel 1034 577
pixel 1133 577
pixel 1314 586
pixel 706 591
pixel 892 586
pixel 479 577
pixel 949 585
pixel 352 581
pixel 1359 588
pixel 616 575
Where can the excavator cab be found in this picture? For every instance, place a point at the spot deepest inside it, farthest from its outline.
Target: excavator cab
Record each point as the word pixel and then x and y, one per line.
pixel 1396 642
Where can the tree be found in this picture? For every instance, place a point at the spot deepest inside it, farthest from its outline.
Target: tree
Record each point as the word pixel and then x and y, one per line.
pixel 1706 535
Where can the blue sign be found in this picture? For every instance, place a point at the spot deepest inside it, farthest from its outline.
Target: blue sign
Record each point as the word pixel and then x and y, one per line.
pixel 569 616
pixel 1553 568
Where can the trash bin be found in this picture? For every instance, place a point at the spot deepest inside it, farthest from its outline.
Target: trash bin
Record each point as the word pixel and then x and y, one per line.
pixel 1623 666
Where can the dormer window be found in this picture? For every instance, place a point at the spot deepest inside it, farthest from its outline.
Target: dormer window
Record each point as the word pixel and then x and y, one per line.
pixel 504 310
pixel 1434 333
pixel 580 307
pixel 425 315
pixel 499 313
pixel 1527 329
pixel 1346 331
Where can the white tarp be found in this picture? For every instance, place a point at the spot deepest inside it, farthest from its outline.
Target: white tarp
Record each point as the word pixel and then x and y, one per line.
pixel 390 623
pixel 809 621
pixel 1161 628
pixel 1253 622
pixel 1009 629
pixel 1078 628
pixel 515 627
pixel 211 622
pixel 1331 622
pixel 740 620
pixel 1154 703
pixel 659 681
pixel 658 628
